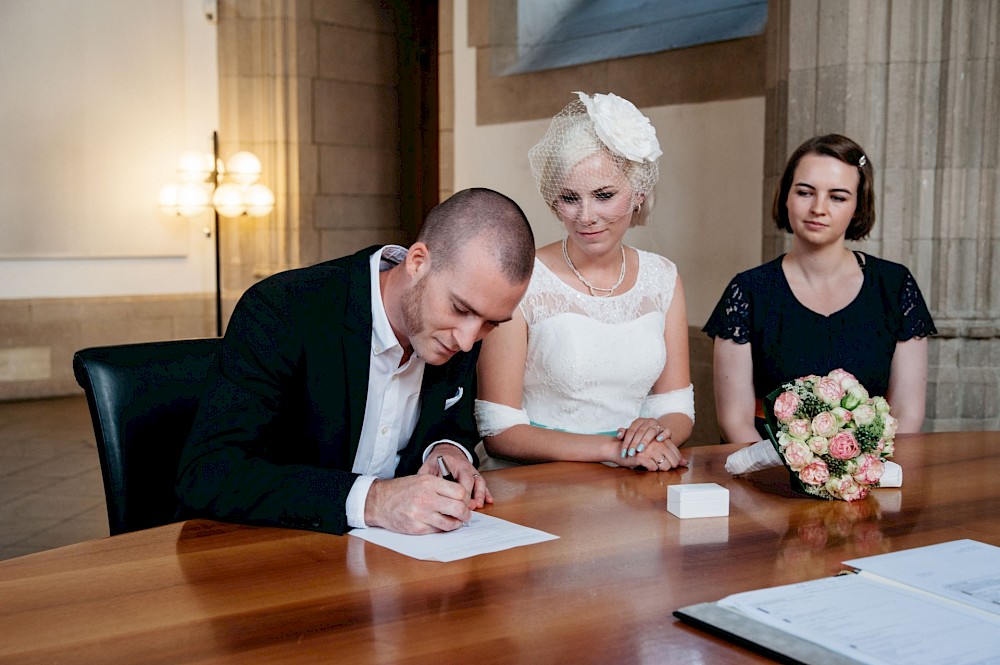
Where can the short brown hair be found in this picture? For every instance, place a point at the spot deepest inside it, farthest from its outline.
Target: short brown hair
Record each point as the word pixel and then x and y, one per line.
pixel 472 213
pixel 847 151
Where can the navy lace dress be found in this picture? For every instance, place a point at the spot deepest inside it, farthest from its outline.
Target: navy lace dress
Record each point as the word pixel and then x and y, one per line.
pixel 789 340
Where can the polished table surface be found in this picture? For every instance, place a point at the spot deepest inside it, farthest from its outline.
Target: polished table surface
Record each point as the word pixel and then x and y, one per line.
pixel 604 592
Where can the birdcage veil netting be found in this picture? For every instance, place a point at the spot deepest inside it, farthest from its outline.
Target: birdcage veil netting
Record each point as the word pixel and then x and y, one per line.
pixel 604 124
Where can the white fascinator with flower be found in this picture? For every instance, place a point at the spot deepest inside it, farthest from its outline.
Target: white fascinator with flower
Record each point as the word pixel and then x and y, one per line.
pixel 605 124
pixel 622 127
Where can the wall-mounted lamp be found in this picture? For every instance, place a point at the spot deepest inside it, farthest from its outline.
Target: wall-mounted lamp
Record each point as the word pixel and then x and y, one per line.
pixel 229 190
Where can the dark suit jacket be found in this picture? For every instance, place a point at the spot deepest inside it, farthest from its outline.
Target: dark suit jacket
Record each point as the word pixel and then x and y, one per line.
pixel 277 431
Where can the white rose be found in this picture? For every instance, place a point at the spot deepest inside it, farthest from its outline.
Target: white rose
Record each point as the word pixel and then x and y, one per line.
pixel 864 414
pixel 622 127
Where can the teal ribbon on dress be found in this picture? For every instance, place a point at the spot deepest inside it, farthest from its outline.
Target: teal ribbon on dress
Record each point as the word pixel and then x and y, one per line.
pixel 559 429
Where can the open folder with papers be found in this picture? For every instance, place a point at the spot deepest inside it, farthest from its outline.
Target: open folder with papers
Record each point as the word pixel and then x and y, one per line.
pixel 934 604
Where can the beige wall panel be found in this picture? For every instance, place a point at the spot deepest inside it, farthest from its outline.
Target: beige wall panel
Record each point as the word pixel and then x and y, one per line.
pixel 366 14
pixel 350 211
pixel 357 55
pixel 356 114
pixel 350 170
pixel 341 243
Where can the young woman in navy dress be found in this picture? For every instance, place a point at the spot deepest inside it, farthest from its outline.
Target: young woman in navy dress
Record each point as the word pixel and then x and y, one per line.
pixel 821 306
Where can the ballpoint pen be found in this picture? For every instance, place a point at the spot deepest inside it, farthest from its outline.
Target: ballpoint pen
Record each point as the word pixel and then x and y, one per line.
pixel 446 474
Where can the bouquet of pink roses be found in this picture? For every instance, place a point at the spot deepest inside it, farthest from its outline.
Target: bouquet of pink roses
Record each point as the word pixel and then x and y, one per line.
pixel 833 437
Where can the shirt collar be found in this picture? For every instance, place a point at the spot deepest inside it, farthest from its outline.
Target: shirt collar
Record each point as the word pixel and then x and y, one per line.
pixel 386 258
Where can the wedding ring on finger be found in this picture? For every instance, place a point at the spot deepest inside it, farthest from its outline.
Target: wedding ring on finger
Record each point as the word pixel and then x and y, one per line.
pixel 476 475
pixel 661 461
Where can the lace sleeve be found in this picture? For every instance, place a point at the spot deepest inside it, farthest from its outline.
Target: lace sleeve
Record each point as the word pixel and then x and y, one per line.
pixel 493 418
pixel 731 318
pixel 916 319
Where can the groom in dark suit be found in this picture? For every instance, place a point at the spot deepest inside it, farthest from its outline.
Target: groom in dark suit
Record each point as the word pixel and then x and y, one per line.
pixel 339 385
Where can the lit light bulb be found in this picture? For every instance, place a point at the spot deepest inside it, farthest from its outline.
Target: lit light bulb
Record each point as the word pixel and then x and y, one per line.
pixel 192 199
pixel 243 167
pixel 195 166
pixel 229 200
pixel 259 200
pixel 168 199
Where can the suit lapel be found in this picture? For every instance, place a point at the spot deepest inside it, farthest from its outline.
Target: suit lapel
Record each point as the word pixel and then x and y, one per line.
pixel 357 343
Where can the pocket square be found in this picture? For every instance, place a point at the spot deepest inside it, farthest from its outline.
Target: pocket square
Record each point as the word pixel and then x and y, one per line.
pixel 452 401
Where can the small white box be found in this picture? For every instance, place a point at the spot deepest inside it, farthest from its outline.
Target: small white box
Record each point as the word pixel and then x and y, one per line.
pixel 698 500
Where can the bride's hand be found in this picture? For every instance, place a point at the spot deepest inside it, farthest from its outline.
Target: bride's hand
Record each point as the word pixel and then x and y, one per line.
pixel 647 443
pixel 660 456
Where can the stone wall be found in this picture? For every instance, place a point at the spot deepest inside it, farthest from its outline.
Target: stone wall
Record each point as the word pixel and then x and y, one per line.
pixel 39 337
pixel 917 84
pixel 311 87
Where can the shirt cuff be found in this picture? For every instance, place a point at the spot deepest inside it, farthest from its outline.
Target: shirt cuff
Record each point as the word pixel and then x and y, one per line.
pixel 465 452
pixel 356 500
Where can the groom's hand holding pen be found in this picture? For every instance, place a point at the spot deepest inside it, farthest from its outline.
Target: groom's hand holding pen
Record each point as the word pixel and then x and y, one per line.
pixel 446 474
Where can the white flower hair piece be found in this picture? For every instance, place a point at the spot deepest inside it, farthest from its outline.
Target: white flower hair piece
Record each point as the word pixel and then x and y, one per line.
pixel 622 127
pixel 862 161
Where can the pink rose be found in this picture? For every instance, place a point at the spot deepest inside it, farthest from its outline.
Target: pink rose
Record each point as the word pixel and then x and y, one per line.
pixel 829 391
pixel 870 469
pixel 844 378
pixel 844 446
pixel 825 424
pixel 855 493
pixel 799 429
pixel 797 455
pixel 785 406
pixel 843 487
pixel 815 473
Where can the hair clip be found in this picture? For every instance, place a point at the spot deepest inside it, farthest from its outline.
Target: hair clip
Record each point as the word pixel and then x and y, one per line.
pixel 862 161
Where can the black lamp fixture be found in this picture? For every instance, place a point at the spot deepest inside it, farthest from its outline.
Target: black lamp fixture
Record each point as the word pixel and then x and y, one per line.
pixel 229 190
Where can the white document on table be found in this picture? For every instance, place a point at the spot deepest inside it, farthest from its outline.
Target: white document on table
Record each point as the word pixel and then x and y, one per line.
pixel 483 534
pixel 966 571
pixel 870 620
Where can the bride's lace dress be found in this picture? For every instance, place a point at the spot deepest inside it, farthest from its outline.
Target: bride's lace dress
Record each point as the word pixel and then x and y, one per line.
pixel 591 361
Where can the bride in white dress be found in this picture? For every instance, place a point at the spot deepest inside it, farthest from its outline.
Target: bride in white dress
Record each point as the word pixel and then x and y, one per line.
pixel 594 365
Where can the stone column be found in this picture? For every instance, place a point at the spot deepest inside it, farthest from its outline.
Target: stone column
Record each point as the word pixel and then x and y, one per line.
pixel 311 86
pixel 917 83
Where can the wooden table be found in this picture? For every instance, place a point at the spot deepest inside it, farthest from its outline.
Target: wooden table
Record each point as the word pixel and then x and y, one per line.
pixel 602 593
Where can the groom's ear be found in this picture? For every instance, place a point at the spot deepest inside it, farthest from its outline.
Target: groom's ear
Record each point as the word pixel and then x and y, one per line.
pixel 418 261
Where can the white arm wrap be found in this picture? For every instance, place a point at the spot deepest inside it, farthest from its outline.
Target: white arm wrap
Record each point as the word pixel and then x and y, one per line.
pixel 675 401
pixel 493 418
pixel 756 457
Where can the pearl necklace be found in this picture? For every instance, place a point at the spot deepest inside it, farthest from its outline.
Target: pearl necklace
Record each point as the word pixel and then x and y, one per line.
pixel 595 289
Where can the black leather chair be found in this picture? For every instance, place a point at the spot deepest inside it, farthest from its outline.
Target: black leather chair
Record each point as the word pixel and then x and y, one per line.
pixel 143 399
